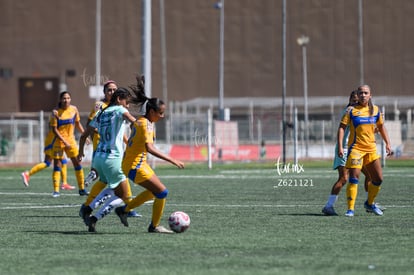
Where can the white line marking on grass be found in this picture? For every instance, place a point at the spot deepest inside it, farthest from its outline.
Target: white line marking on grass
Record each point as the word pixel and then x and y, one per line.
pixel 35 194
pixel 40 206
pixel 190 205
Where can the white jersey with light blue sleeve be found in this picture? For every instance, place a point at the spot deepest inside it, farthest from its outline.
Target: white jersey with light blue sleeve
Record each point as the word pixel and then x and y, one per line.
pixel 111 127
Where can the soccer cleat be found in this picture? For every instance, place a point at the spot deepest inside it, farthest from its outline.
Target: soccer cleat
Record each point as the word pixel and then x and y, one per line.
pixel 91 177
pixel 329 211
pixel 159 229
pixel 86 212
pixel 123 216
pixel 83 192
pixel 373 209
pixel 55 194
pixel 25 178
pixel 134 214
pixel 92 224
pixel 349 213
pixel 378 206
pixel 81 210
pixel 67 186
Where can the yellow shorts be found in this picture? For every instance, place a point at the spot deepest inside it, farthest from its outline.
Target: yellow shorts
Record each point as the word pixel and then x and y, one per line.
pixel 140 174
pixel 356 158
pixel 59 152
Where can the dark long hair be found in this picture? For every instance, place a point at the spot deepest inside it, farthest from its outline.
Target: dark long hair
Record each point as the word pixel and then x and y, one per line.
pixel 121 93
pixel 353 93
pixel 61 96
pixel 141 99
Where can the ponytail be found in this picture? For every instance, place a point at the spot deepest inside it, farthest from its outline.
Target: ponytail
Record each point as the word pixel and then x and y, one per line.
pixel 141 99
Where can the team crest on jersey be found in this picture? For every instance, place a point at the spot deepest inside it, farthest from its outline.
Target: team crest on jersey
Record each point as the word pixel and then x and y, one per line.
pixel 150 127
pixel 98 105
pixel 356 162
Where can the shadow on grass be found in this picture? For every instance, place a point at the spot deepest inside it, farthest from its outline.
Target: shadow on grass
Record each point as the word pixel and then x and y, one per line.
pixel 304 214
pixel 44 232
pixel 48 216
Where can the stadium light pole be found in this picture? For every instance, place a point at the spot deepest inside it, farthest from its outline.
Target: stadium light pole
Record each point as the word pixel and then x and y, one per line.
pixel 361 42
pixel 220 5
pixel 302 42
pixel 284 80
pixel 98 44
pixel 146 45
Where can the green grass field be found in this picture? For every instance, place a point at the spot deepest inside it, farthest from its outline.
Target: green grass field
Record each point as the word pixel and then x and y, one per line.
pixel 245 219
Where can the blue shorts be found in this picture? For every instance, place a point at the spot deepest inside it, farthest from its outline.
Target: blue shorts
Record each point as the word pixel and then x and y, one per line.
pixel 339 161
pixel 109 171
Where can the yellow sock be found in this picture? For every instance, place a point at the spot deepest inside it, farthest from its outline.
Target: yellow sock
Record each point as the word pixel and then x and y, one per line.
pixel 56 179
pixel 38 167
pixel 95 190
pixel 80 178
pixel 157 210
pixel 142 197
pixel 372 193
pixel 129 192
pixel 64 173
pixel 351 194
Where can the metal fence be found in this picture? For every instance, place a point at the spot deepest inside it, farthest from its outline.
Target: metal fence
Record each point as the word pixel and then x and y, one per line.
pixel 22 134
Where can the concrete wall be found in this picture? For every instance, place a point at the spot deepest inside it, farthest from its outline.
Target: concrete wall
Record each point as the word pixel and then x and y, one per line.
pixel 45 38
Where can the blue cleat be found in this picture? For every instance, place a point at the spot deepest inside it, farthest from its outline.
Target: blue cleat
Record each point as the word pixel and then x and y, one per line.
pixel 373 209
pixel 134 214
pixel 83 192
pixel 55 194
pixel 329 211
pixel 349 213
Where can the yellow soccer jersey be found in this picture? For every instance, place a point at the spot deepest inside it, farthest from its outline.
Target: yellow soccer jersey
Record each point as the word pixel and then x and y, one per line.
pixel 362 126
pixel 65 122
pixel 142 132
pixel 98 106
pixel 49 140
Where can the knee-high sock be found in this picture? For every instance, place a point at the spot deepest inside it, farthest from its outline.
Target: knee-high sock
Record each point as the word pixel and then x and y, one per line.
pixel 373 190
pixel 351 194
pixel 38 167
pixel 56 178
pixel 80 177
pixel 64 171
pixel 107 208
pixel 102 197
pixel 129 192
pixel 95 190
pixel 142 197
pixel 157 210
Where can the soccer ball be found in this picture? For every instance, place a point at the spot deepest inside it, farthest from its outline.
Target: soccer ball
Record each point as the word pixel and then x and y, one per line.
pixel 179 221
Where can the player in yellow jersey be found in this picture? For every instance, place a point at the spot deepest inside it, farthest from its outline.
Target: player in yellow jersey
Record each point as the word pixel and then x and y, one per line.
pixel 48 146
pixel 363 119
pixel 339 164
pixel 64 125
pixel 135 166
pixel 108 89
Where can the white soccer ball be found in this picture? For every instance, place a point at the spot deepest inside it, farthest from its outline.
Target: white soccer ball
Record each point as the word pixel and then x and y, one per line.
pixel 179 221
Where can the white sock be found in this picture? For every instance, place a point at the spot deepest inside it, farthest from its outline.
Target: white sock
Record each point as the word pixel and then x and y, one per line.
pixel 331 200
pixel 110 204
pixel 102 197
